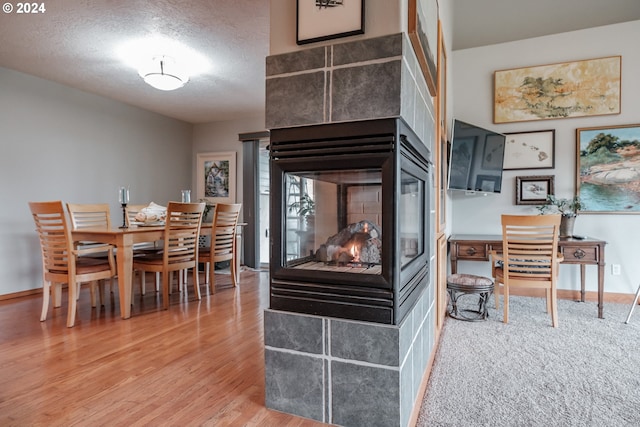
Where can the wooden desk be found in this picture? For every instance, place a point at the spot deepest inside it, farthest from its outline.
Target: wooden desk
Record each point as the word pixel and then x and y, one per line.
pixel 123 239
pixel 589 251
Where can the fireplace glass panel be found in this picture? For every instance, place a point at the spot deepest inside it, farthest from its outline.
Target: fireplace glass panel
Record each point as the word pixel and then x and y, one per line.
pixel 410 212
pixel 334 221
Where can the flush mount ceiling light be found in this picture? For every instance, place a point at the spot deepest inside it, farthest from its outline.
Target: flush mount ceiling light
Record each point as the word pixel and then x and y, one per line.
pixel 163 73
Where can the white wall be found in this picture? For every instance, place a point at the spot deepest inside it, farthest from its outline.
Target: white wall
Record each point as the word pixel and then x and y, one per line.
pixel 63 144
pixel 472 92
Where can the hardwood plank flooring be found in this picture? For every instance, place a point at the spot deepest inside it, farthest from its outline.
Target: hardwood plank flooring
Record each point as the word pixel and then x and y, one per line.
pixel 200 363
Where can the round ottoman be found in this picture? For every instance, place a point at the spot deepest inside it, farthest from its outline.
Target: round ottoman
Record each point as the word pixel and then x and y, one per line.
pixel 468 296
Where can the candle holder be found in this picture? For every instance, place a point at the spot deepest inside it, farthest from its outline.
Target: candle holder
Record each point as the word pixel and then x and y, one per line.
pixel 123 197
pixel 124 216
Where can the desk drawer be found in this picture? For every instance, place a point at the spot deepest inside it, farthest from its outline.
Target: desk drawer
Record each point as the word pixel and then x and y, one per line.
pixel 473 251
pixel 578 253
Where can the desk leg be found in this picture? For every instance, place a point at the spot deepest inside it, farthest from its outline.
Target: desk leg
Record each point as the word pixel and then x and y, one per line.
pixel 453 259
pixel 582 281
pixel 601 286
pixel 124 256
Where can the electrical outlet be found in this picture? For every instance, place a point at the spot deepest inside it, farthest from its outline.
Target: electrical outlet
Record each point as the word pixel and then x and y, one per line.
pixel 615 269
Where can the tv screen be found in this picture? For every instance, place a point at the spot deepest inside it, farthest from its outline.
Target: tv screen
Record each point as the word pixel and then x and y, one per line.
pixel 476 158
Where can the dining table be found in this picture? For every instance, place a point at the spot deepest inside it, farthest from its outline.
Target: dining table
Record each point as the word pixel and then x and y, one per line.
pixel 123 239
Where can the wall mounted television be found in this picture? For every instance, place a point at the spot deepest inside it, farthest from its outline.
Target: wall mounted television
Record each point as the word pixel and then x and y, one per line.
pixel 476 158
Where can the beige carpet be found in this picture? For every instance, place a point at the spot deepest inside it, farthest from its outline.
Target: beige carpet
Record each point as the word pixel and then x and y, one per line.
pixel 586 372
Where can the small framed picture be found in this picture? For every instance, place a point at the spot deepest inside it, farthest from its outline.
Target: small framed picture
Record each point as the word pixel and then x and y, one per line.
pixel 321 20
pixel 533 190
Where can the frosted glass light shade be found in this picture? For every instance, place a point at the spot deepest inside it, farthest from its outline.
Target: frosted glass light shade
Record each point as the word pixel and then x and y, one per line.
pixel 162 73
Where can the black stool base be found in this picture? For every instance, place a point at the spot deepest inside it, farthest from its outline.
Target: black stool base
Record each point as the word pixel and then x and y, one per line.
pixel 483 288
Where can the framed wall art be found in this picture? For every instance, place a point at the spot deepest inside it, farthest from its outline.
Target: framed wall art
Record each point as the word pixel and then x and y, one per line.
pixel 423 33
pixel 530 150
pixel 319 20
pixel 571 89
pixel 216 175
pixel 608 169
pixel 441 132
pixel 533 190
pixel 442 84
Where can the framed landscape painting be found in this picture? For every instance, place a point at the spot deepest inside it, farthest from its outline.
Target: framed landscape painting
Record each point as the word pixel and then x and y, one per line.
pixel 216 174
pixel 571 89
pixel 608 169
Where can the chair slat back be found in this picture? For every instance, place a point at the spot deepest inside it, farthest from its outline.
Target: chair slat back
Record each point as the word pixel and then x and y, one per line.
pixel 182 230
pixel 89 215
pixel 530 245
pixel 54 235
pixel 223 234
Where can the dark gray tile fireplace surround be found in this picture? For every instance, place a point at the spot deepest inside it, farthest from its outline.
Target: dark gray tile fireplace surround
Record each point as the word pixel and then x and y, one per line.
pixel 347 372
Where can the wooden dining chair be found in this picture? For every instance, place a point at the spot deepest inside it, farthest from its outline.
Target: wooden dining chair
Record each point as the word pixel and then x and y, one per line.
pixel 91 215
pixel 223 242
pixel 180 247
pixel 62 262
pixel 142 249
pixel 529 258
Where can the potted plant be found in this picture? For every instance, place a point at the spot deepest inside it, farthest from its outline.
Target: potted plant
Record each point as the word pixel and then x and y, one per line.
pixel 305 208
pixel 568 208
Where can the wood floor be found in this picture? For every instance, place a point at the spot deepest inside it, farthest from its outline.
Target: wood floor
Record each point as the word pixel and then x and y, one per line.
pixel 200 363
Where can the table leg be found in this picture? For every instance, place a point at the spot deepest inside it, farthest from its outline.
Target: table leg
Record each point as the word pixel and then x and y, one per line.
pixel 124 256
pixel 238 256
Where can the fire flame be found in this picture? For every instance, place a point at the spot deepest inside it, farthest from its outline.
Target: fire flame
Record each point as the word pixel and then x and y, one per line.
pixel 355 253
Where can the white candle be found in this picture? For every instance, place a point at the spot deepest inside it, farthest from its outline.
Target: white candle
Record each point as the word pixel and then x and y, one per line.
pixel 124 195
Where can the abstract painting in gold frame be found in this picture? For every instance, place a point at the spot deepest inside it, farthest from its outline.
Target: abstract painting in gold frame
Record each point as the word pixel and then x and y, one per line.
pixel 571 89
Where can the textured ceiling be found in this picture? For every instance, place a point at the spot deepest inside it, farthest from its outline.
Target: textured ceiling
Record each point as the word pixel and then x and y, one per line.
pixel 79 43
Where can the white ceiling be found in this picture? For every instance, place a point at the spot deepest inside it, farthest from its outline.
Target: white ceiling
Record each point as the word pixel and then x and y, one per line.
pixel 485 22
pixel 78 43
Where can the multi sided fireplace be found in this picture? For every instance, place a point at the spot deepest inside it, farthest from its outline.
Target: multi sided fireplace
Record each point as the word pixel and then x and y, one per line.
pixel 349 220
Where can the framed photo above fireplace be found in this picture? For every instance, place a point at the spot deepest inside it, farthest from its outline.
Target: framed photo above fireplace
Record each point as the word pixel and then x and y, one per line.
pixel 216 176
pixel 319 20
